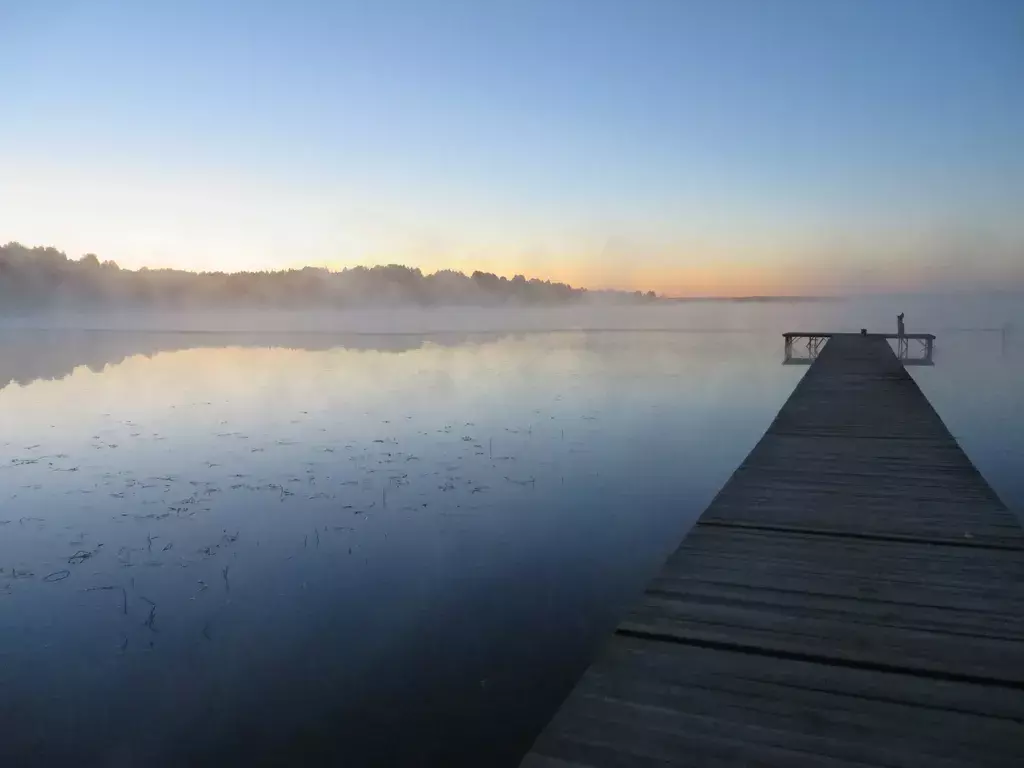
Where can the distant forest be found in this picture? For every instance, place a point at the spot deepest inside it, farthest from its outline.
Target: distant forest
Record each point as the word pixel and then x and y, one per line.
pixel 41 278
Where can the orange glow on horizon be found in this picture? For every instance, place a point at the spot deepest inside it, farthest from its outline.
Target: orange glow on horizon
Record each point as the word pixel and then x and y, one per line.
pixel 691 281
pixel 687 281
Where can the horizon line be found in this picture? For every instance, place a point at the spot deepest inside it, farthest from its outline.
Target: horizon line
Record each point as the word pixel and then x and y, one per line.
pixel 660 296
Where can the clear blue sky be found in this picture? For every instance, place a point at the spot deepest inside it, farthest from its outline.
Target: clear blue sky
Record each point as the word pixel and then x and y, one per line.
pixel 714 146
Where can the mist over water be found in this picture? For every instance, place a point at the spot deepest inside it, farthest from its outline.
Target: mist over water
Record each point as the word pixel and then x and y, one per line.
pixel 383 537
pixel 934 314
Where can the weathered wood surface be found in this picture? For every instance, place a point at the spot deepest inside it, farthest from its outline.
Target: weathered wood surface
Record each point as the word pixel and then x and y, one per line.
pixel 854 596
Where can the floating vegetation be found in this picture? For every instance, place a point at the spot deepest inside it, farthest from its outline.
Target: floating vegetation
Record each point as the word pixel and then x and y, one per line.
pixel 416 479
pixel 82 555
pixel 150 621
pixel 530 481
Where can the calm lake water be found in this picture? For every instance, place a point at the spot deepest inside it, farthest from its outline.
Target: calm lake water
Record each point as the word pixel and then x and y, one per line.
pixel 300 548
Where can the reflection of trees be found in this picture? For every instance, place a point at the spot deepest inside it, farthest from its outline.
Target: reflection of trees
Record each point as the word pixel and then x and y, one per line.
pixel 29 355
pixel 35 278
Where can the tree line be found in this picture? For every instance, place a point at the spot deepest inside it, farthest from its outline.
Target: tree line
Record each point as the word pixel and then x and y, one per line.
pixel 40 277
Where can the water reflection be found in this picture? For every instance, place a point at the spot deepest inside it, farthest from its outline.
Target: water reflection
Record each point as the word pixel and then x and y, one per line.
pixel 53 354
pixel 235 549
pixel 224 553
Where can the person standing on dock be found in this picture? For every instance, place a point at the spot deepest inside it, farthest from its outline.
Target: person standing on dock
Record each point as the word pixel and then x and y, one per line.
pixel 900 329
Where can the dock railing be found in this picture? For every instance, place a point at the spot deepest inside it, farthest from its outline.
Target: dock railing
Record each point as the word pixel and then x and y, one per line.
pixel 813 341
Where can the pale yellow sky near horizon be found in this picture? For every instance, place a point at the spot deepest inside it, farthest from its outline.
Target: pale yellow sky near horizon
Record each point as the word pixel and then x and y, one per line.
pixel 224 222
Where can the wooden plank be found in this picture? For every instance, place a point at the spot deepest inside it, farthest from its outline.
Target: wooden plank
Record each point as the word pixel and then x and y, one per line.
pixel 926 520
pixel 833 637
pixel 967 578
pixel 821 685
pixel 707 697
pixel 854 595
pixel 682 705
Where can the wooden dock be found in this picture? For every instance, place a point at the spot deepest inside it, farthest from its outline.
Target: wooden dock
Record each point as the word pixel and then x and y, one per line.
pixel 854 596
